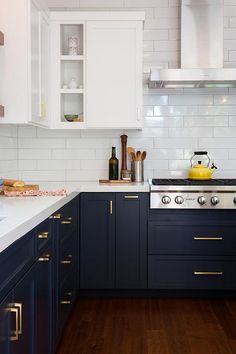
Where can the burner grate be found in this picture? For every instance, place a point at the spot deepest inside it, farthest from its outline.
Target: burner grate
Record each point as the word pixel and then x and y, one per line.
pixel 188 182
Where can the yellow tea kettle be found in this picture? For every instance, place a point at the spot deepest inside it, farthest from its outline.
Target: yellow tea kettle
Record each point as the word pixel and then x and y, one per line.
pixel 198 170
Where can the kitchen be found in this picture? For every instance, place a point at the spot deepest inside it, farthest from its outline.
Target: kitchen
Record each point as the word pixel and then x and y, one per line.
pixel 176 123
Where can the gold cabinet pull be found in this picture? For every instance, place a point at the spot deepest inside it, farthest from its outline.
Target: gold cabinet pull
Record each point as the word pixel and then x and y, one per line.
pixel 19 308
pixel 15 335
pixel 65 302
pixel 65 262
pixel 202 238
pixel 110 207
pixel 69 293
pixel 131 196
pixel 55 216
pixel 45 258
pixel 208 273
pixel 66 221
pixel 43 235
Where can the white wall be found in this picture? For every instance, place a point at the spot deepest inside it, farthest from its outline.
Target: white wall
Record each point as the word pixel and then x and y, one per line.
pixel 177 122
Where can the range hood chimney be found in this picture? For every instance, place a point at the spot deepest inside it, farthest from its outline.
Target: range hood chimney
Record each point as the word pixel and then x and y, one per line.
pixel 201 50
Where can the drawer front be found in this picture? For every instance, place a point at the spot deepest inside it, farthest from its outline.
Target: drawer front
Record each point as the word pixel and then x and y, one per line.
pixel 67 257
pixel 15 260
pixel 191 273
pixel 204 240
pixel 68 220
pixel 67 296
pixel 43 234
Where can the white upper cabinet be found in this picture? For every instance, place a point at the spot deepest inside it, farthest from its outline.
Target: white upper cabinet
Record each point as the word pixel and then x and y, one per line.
pixel 114 74
pixel 105 67
pixel 23 62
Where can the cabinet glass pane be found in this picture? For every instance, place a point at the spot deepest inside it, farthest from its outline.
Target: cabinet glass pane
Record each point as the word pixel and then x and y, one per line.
pixel 72 70
pixel 71 104
pixel 72 39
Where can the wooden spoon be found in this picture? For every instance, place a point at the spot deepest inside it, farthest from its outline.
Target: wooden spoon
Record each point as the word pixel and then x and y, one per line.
pixel 131 149
pixel 144 154
pixel 138 155
pixel 132 156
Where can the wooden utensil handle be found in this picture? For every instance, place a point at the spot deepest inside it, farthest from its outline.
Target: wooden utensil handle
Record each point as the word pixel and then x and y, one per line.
pixel 124 151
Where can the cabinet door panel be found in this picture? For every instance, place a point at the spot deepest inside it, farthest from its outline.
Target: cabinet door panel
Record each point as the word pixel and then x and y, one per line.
pixel 131 240
pixel 5 324
pixel 23 300
pixel 114 74
pixel 97 243
pixel 43 302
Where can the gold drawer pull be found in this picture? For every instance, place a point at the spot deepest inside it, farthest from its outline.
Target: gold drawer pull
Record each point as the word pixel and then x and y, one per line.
pixel 14 337
pixel 55 216
pixel 69 293
pixel 45 258
pixel 65 302
pixel 19 307
pixel 200 238
pixel 43 235
pixel 208 273
pixel 131 196
pixel 110 207
pixel 66 221
pixel 65 262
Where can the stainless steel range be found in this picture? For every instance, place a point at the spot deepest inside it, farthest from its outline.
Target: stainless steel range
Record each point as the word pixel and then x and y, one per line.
pixel 190 194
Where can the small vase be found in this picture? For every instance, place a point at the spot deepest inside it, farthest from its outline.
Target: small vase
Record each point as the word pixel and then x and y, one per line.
pixel 73 84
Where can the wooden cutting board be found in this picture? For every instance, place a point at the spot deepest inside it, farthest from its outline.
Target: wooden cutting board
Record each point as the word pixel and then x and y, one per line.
pixel 29 187
pixel 113 181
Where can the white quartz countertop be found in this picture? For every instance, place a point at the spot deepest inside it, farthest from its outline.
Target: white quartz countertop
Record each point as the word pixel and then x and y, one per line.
pixel 22 214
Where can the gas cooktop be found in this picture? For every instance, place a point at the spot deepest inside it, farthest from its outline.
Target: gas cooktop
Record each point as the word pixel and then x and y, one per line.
pixel 192 194
pixel 189 182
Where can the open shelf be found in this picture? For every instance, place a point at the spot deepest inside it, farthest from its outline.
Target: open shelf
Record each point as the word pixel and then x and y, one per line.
pixel 72 30
pixel 68 91
pixel 72 104
pixel 72 70
pixel 72 57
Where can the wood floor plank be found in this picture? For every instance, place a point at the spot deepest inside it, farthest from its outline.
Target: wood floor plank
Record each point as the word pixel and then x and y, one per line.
pixel 151 326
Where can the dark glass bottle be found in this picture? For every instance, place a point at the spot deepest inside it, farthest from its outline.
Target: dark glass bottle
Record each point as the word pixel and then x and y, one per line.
pixel 113 165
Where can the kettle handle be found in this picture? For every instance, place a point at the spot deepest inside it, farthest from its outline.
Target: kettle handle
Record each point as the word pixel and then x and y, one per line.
pixel 200 153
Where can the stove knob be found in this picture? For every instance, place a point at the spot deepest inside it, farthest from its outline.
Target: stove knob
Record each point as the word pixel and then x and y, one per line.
pixel 179 199
pixel 201 200
pixel 215 200
pixel 166 199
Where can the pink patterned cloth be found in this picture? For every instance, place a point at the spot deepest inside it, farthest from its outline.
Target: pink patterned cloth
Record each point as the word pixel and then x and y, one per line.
pixel 34 193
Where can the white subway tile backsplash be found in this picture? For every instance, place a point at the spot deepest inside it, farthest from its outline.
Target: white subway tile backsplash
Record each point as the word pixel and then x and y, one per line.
pixel 206 121
pixel 177 122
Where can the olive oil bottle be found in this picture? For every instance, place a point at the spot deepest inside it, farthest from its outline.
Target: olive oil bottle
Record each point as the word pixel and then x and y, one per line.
pixel 113 165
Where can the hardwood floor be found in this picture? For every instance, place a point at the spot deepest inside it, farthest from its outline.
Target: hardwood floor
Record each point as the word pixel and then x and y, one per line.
pixel 151 326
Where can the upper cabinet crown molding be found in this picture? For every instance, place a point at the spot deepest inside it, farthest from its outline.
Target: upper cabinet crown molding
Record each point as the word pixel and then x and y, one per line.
pixel 97 15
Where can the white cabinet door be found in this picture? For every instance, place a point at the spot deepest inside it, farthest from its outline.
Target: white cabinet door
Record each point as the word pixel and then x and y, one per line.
pixel 39 66
pixel 114 74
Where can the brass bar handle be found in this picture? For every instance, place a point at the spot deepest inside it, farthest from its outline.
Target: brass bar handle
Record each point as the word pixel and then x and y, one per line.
pixel 43 235
pixel 208 273
pixel 55 216
pixel 131 196
pixel 65 302
pixel 201 238
pixel 45 258
pixel 19 307
pixel 14 337
pixel 65 262
pixel 110 207
pixel 69 293
pixel 66 221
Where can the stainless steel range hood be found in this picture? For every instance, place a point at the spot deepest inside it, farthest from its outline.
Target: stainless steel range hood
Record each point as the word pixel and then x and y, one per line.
pixel 201 50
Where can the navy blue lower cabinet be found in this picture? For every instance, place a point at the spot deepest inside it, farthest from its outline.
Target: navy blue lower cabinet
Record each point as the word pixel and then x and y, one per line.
pixel 131 240
pixel 191 272
pixel 43 273
pixel 8 329
pixel 97 241
pixel 22 316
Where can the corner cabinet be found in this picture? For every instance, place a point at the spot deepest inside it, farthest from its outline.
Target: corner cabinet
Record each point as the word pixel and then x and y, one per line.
pixel 105 70
pixel 24 62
